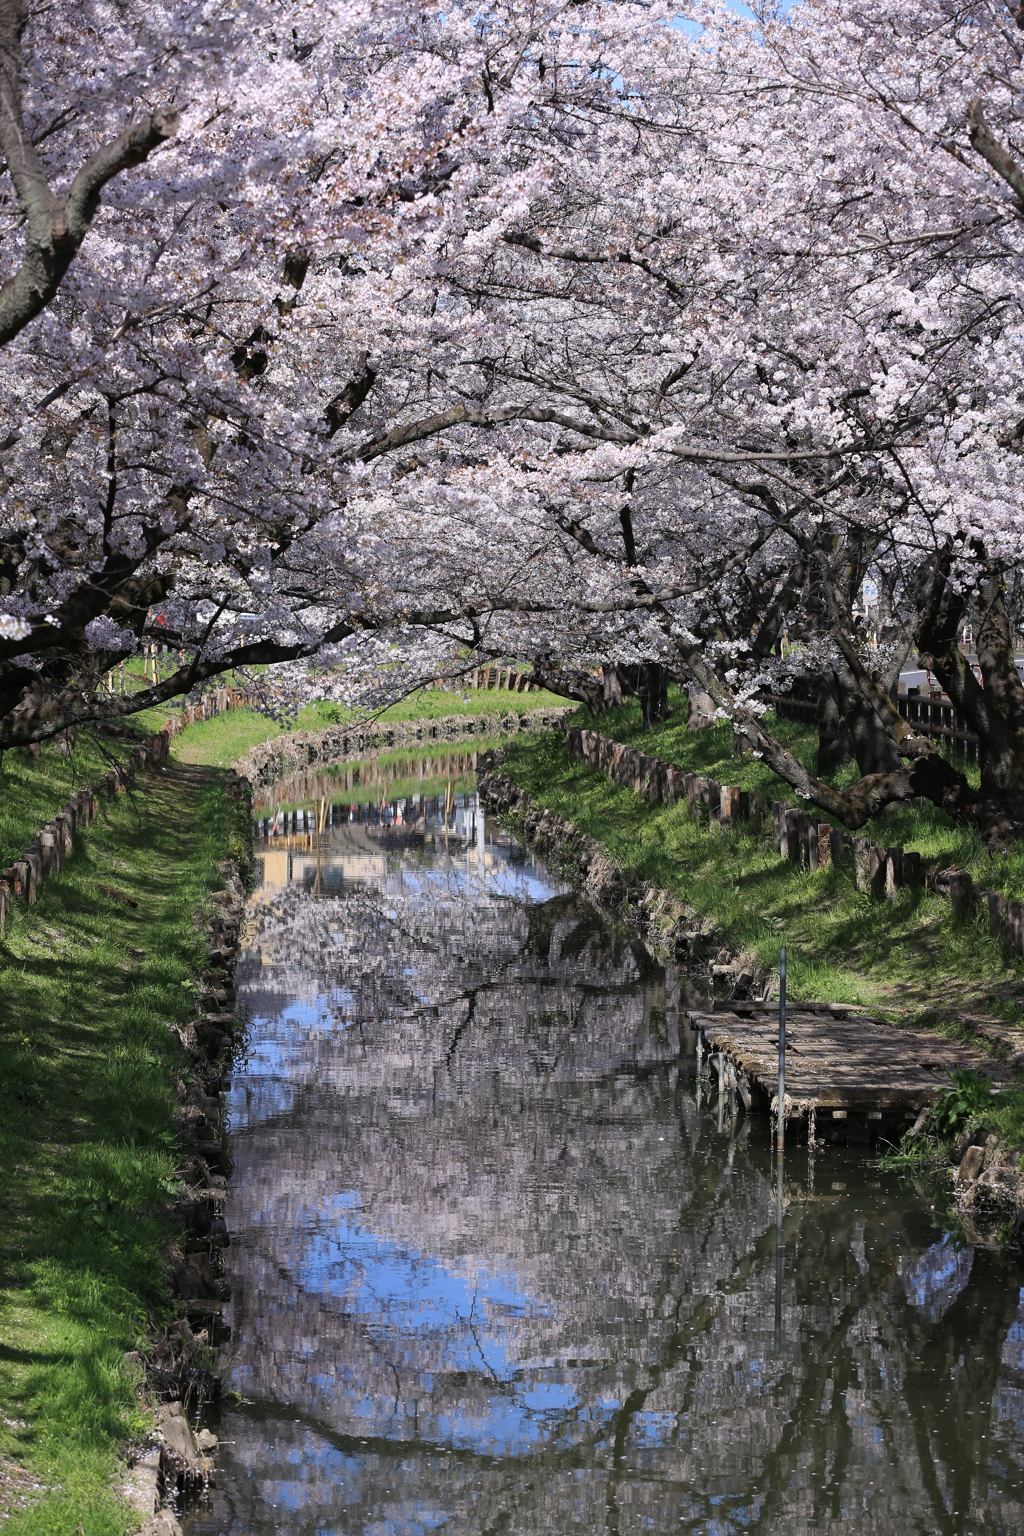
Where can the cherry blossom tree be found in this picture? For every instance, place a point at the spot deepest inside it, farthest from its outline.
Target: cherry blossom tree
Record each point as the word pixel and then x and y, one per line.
pixel 759 322
pixel 187 414
pixel 554 332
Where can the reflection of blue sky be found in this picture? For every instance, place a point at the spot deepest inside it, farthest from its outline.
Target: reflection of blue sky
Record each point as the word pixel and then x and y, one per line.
pixel 451 1352
pixel 1013 1344
pixel 432 1323
pixel 934 1280
pixel 514 882
pixel 273 1071
pixel 280 1059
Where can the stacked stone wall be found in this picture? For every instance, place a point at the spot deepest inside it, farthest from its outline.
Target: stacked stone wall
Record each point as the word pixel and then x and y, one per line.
pixel 671 928
pixel 271 760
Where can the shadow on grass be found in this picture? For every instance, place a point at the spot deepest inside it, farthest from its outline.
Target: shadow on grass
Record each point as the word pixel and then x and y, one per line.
pixel 841 942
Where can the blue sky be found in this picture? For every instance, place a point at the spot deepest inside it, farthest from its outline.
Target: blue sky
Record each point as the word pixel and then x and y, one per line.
pixel 683 25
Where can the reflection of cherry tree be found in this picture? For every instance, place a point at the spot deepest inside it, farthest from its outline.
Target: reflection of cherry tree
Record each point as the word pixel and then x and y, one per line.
pixel 492 1264
pixel 466 938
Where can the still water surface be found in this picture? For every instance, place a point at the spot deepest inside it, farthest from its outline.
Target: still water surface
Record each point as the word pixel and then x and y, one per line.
pixel 496 1269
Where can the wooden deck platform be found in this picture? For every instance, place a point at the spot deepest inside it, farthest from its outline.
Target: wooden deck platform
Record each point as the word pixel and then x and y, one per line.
pixel 849 1076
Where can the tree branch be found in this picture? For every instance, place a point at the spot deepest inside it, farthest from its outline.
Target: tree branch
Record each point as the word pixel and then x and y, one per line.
pixel 988 146
pixel 465 414
pixel 930 776
pixel 54 227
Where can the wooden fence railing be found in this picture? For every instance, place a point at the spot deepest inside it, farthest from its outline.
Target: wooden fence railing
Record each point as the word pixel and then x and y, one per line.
pixel 206 707
pixel 933 716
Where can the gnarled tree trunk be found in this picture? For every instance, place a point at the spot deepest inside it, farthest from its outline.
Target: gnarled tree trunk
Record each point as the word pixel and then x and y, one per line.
pixel 652 691
pixel 834 745
pixel 994 708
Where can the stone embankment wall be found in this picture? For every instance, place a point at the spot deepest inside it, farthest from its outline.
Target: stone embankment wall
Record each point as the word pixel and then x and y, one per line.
pixel 988 1186
pixel 724 805
pixel 54 842
pixel 798 836
pixel 271 760
pixel 180 1459
pixel 670 927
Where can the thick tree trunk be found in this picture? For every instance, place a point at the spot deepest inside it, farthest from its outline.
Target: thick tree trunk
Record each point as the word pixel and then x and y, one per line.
pixel 873 745
pixel 834 745
pixel 700 711
pixel 612 687
pixel 571 683
pixel 925 774
pixel 652 691
pixel 647 681
pixel 994 709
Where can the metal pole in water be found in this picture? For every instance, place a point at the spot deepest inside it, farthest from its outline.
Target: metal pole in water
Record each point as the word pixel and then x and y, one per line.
pixel 780 1122
pixel 780 1142
pixel 778 1256
pixel 700 1066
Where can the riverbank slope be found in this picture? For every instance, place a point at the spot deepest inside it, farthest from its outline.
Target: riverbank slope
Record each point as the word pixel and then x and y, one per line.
pixel 91 977
pixel 905 957
pixel 224 739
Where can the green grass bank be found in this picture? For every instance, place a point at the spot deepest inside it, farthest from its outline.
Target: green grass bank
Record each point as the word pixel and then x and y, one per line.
pixel 223 740
pixel 32 789
pixel 87 1135
pixel 923 828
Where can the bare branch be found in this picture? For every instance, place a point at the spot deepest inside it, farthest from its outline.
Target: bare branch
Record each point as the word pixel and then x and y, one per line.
pixel 468 415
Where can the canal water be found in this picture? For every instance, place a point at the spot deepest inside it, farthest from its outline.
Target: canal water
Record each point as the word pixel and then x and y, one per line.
pixel 500 1264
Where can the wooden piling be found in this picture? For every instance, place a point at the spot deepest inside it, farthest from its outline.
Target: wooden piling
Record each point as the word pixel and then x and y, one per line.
pixel 893 873
pixel 961 894
pixel 824 844
pixel 997 905
pixel 862 863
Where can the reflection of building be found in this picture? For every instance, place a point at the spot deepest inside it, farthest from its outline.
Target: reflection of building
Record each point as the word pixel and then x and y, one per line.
pixel 494 1271
pixel 343 844
pixel 279 867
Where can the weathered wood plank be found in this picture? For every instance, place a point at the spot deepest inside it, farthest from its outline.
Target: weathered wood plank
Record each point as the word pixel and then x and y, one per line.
pixel 836 1058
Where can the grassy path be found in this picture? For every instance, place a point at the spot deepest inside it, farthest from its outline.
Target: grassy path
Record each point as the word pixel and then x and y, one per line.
pixel 87 1141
